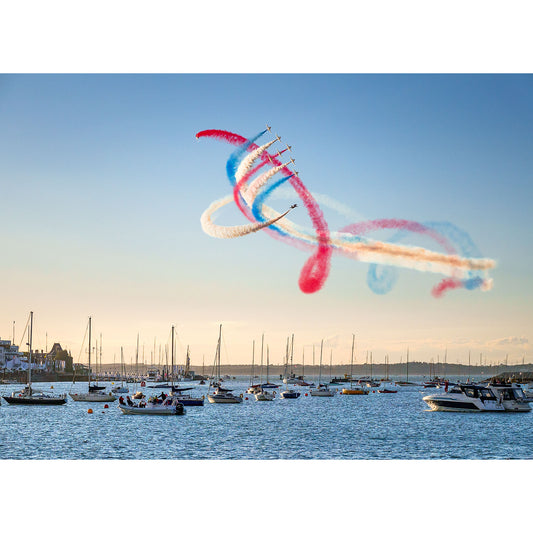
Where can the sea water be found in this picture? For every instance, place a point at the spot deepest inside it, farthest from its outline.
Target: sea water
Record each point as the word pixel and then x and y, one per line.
pixel 374 426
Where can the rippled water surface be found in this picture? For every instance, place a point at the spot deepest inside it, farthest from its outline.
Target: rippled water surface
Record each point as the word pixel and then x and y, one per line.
pixel 376 426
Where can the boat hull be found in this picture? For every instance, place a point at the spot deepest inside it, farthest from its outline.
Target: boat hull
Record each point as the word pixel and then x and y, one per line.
pixel 215 399
pixel 13 400
pixel 93 397
pixel 322 393
pixel 289 395
pixel 154 411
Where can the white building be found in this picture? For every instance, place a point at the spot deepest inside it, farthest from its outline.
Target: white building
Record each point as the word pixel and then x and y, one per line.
pixel 10 356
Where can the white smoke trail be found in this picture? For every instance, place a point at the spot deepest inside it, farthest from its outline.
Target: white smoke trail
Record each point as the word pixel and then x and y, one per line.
pixel 231 232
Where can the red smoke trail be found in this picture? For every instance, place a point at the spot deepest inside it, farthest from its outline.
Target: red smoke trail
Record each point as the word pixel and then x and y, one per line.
pixel 316 269
pixel 445 285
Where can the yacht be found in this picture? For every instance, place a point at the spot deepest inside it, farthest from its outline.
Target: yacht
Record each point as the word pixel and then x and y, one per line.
pixel 474 398
pixel 221 395
pixel 322 390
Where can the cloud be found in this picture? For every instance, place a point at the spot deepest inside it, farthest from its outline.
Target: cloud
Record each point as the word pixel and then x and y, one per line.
pixel 522 342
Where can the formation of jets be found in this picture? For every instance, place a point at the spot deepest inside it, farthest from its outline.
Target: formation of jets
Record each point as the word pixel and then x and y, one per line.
pixel 278 153
pixel 291 160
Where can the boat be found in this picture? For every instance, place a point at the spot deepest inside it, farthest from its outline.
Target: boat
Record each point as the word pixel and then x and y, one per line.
pixel 186 399
pixel 220 394
pixel 472 397
pixel 406 382
pixel 168 406
pixel 354 390
pixel 387 388
pixel 264 395
pixel 288 394
pixel 28 395
pixel 253 389
pixel 122 389
pixel 178 392
pixel 92 394
pixel 322 389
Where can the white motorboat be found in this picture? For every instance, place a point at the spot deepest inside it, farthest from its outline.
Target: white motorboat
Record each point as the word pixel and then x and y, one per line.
pixel 476 398
pixel 169 406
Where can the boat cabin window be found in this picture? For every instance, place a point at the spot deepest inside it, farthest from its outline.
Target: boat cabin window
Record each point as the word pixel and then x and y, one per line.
pixel 507 394
pixel 486 394
pixel 471 393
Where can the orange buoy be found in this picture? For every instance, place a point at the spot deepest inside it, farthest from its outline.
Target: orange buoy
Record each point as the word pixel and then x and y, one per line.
pixel 106 406
pixel 306 393
pixel 90 411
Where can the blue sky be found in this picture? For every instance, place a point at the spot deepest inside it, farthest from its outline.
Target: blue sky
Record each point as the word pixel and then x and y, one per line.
pixel 104 184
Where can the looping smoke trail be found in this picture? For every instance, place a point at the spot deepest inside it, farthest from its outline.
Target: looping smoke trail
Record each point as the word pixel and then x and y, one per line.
pixel 462 271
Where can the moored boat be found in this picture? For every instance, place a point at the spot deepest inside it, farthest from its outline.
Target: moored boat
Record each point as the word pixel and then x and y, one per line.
pixel 476 398
pixel 94 392
pixel 221 395
pixel 28 395
pixel 169 406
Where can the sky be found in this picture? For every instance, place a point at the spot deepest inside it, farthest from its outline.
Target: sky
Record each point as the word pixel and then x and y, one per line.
pixel 104 183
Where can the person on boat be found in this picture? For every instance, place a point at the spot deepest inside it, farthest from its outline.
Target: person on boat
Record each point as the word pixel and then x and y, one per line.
pixel 163 395
pixel 121 400
pixel 129 402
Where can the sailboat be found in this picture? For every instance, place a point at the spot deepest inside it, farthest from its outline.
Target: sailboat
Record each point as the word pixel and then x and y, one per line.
pixel 387 387
pixel 288 394
pixel 178 392
pixel 28 395
pixel 121 389
pixel 264 395
pixel 322 389
pixel 93 394
pixel 357 389
pixel 220 395
pixel 406 383
pixel 253 389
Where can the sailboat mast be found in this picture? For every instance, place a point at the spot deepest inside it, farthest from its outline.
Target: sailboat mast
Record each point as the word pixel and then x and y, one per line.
pixel 262 344
pixel 407 365
pixel 330 363
pixel 90 352
pixel 267 362
pixel 121 367
pixel 218 351
pixel 351 362
pixel 292 353
pixel 172 359
pixel 320 367
pixel 252 371
pixel 29 344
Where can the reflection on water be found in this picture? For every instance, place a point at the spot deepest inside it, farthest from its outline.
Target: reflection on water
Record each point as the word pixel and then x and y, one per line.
pixel 376 426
